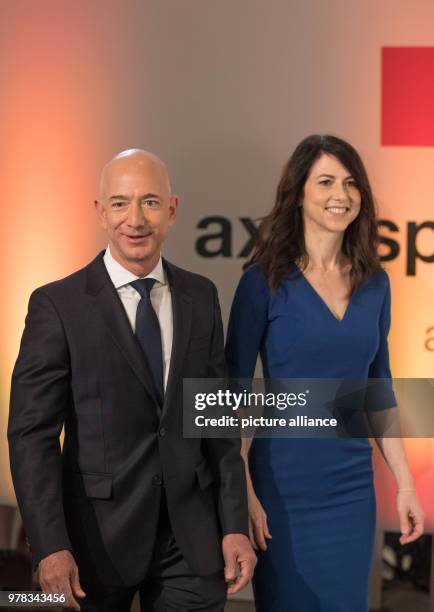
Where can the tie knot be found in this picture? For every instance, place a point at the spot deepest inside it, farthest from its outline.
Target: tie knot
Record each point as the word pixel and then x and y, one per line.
pixel 144 286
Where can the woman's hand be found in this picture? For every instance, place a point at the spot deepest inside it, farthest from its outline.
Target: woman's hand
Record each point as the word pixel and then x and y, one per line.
pixel 410 515
pixel 258 526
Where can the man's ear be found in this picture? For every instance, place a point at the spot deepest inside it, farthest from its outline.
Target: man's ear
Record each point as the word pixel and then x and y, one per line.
pixel 173 207
pixel 101 212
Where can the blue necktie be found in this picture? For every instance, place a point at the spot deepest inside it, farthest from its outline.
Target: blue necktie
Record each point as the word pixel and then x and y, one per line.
pixel 149 335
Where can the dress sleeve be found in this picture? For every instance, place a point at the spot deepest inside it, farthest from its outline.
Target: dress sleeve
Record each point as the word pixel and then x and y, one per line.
pixel 247 324
pixel 380 394
pixel 380 366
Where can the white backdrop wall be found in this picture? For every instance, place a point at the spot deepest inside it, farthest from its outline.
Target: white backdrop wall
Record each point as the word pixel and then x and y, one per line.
pixel 222 91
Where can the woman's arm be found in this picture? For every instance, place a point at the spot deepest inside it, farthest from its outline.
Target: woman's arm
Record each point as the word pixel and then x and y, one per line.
pixel 411 516
pixel 246 329
pixel 258 525
pixel 392 448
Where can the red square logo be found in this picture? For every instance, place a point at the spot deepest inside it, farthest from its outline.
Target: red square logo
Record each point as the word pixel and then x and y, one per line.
pixel 407 101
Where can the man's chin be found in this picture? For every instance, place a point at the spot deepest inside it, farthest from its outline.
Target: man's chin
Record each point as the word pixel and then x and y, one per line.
pixel 139 254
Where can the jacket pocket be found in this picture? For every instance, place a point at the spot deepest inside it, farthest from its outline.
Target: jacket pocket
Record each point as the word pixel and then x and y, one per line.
pixel 204 474
pixel 97 486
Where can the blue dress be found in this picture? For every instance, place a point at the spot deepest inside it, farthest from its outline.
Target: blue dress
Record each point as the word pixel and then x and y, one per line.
pixel 318 494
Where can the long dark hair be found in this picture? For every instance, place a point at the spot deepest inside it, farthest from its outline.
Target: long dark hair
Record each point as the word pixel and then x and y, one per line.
pixel 280 244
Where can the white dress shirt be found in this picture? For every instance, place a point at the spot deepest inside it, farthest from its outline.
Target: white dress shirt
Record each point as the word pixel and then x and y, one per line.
pixel 160 298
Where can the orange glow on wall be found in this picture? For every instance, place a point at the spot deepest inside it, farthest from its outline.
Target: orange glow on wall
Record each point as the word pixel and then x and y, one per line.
pixel 48 171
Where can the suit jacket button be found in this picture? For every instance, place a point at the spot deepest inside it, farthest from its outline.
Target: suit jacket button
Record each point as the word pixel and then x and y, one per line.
pixel 158 480
pixel 162 431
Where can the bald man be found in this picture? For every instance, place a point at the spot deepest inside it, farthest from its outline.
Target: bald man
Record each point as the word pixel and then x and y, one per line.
pixel 128 504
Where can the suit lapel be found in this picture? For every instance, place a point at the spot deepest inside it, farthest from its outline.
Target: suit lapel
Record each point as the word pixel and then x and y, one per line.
pixel 182 312
pixel 110 308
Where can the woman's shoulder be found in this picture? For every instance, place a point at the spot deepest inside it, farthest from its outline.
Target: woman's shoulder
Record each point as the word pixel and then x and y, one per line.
pixel 254 279
pixel 252 294
pixel 255 282
pixel 380 279
pixel 378 285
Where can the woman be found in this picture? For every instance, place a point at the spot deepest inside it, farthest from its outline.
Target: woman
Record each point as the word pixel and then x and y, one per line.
pixel 315 303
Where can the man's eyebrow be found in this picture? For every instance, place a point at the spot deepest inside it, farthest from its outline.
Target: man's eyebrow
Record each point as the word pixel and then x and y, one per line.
pixel 150 195
pixel 146 196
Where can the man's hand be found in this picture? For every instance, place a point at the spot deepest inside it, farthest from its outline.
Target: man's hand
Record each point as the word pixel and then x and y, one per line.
pixel 58 573
pixel 240 561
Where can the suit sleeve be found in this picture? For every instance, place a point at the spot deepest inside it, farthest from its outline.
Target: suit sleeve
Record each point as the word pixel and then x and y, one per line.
pixel 39 400
pixel 224 454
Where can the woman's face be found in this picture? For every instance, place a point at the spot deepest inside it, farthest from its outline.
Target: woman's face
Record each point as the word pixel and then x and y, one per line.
pixel 331 199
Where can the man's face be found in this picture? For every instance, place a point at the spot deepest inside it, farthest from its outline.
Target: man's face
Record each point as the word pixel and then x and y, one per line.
pixel 137 211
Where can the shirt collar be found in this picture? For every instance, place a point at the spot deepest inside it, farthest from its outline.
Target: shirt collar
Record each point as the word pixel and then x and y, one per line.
pixel 120 276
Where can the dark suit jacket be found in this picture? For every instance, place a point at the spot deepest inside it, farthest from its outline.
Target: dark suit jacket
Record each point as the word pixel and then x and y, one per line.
pixel 81 366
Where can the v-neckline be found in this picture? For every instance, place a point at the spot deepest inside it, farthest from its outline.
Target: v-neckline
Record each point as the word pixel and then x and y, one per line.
pixel 324 303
